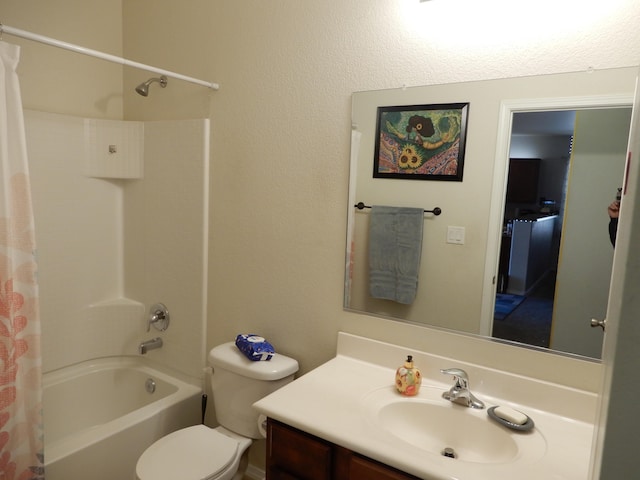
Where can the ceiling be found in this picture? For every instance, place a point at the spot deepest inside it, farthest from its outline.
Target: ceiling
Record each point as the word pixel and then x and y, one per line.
pixel 544 123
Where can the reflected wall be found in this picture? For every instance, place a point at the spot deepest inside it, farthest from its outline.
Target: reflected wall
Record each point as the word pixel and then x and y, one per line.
pixel 452 276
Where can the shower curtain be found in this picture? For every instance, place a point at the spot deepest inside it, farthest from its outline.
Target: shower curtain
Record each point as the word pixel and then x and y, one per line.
pixel 21 431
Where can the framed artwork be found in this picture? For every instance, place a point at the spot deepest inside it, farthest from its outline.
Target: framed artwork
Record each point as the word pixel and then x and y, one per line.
pixel 421 142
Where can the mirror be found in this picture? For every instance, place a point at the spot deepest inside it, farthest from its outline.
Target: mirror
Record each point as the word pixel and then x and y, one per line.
pixel 459 275
pixel 555 228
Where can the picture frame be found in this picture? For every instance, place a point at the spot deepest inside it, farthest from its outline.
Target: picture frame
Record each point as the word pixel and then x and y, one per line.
pixel 421 142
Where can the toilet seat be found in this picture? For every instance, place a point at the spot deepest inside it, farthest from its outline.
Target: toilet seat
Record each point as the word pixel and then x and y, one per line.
pixel 193 453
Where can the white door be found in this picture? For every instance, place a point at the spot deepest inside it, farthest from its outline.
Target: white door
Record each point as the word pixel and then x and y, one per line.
pixel 616 453
pixel 596 171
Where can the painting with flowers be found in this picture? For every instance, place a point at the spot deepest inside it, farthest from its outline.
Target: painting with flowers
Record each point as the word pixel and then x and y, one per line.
pixel 421 142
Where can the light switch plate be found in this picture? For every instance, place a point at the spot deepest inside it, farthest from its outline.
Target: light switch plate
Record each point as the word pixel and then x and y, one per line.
pixel 455 235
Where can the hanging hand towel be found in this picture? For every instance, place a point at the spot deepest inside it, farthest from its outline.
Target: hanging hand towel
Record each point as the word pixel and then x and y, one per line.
pixel 395 248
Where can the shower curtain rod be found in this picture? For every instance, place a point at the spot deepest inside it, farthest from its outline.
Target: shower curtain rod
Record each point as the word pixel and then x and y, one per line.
pixel 104 56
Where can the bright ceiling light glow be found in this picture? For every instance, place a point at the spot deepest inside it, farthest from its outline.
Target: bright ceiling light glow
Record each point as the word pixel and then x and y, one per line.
pixel 504 23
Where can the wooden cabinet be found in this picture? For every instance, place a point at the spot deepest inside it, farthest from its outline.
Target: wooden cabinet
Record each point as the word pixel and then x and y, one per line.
pixel 296 455
pixel 363 468
pixel 292 454
pixel 522 186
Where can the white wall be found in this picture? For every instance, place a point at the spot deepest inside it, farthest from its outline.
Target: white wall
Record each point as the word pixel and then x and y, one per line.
pixel 55 80
pixel 287 72
pixel 281 141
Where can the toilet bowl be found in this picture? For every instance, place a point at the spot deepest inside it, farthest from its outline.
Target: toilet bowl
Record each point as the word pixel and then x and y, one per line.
pixel 196 452
pixel 203 453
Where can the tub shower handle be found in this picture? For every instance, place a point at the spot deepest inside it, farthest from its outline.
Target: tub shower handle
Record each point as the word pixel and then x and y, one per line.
pixel 158 317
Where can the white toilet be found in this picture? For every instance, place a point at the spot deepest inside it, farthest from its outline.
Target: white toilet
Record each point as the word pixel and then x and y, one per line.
pixel 203 453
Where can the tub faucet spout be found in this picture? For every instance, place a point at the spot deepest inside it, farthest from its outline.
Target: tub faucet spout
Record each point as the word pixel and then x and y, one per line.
pixel 149 345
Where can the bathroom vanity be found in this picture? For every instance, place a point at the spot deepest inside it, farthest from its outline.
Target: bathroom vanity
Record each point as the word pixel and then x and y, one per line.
pixel 345 420
pixel 292 453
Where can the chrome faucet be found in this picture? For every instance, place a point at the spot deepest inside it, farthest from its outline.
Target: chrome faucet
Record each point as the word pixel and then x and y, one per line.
pixel 460 392
pixel 149 345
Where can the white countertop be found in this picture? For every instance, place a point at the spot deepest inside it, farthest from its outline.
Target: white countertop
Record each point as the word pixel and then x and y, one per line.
pixel 330 402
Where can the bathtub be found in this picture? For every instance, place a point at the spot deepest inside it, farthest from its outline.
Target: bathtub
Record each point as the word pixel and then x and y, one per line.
pixel 99 416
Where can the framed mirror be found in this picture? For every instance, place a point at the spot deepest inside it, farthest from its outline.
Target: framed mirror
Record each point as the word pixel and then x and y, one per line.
pixel 459 274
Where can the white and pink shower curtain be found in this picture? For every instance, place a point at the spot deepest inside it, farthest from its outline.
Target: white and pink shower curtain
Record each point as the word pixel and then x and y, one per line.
pixel 21 433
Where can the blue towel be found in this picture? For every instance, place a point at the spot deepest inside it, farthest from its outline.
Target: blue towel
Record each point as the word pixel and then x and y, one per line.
pixel 395 248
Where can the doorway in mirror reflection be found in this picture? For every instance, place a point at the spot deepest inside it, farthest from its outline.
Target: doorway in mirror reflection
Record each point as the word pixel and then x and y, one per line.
pixel 555 256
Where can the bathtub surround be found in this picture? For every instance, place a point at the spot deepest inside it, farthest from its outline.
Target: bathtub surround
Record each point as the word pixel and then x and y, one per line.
pixel 20 356
pixel 113 149
pixel 166 240
pixel 82 203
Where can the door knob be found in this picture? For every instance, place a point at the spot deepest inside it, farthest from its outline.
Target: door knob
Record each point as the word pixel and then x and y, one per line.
pixel 598 323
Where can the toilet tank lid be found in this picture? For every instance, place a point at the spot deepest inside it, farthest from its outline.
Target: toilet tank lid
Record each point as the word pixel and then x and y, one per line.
pixel 228 356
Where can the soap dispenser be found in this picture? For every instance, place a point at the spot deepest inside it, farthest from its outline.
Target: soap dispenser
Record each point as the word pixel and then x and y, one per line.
pixel 408 378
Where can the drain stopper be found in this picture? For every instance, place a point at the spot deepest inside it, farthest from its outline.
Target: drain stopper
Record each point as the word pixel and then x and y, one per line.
pixel 449 452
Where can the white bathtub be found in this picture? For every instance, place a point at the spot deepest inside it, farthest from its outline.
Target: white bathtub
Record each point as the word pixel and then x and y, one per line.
pixel 99 417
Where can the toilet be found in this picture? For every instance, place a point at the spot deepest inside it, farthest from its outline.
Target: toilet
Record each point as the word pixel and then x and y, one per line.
pixel 203 453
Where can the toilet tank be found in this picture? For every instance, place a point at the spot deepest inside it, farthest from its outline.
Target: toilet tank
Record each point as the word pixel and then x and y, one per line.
pixel 237 383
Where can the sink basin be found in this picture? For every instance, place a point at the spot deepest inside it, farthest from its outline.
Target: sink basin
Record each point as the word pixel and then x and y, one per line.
pixel 436 427
pixel 431 424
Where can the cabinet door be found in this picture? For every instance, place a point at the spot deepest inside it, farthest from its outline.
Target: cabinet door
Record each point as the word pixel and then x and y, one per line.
pixel 522 185
pixel 295 455
pixel 362 468
pixel 276 474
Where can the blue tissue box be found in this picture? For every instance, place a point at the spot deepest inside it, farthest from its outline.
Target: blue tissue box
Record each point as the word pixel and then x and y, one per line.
pixel 254 347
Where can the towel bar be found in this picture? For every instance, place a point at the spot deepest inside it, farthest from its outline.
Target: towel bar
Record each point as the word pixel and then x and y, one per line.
pixel 436 211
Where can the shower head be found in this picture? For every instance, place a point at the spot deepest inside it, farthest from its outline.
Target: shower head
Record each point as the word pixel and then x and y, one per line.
pixel 143 88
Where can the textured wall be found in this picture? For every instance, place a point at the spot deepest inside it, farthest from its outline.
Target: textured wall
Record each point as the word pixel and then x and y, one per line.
pixel 281 134
pixel 281 121
pixel 55 80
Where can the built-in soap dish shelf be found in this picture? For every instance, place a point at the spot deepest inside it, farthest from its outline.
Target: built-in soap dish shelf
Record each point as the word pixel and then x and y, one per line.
pixel 526 426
